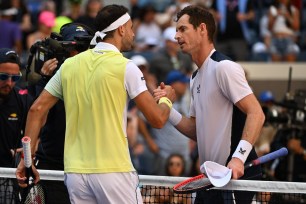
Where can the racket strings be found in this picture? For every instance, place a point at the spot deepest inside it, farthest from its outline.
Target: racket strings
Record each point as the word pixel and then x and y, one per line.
pixel 194 184
pixel 36 195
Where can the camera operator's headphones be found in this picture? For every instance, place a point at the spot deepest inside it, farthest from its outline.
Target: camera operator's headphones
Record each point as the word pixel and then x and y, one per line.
pixel 83 42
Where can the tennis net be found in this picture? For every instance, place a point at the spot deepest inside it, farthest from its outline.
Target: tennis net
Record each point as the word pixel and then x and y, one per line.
pixel 158 189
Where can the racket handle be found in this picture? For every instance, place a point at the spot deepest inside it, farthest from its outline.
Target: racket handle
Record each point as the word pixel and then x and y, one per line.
pixel 26 145
pixel 268 157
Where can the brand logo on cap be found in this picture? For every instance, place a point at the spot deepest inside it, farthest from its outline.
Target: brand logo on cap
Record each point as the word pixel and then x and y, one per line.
pixel 11 52
pixel 80 28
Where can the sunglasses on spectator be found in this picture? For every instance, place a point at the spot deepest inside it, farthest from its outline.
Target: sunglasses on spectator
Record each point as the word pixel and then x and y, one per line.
pixel 14 77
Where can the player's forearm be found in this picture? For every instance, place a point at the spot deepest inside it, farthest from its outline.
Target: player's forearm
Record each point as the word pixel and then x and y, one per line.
pixel 187 127
pixel 35 121
pixel 253 126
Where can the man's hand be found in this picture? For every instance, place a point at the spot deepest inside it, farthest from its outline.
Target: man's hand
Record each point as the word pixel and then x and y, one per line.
pixel 49 67
pixel 237 167
pixel 164 91
pixel 20 174
pixel 14 152
pixel 294 145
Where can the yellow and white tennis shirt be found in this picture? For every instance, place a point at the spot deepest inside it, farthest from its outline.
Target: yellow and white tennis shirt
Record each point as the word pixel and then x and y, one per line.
pixel 96 86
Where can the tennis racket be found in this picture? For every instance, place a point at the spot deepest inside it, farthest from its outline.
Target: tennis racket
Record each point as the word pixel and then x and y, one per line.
pixel 201 182
pixel 34 193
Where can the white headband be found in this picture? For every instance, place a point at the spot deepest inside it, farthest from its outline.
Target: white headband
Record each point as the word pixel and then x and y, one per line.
pixel 119 22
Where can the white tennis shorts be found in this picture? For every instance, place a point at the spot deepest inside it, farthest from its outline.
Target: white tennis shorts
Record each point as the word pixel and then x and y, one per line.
pixel 112 188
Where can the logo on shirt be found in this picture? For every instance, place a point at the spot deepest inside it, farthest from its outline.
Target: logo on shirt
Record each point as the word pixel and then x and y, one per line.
pixel 13 116
pixel 23 92
pixel 241 151
pixel 198 88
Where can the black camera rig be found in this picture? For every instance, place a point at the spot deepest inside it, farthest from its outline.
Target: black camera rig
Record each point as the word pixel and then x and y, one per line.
pixel 55 47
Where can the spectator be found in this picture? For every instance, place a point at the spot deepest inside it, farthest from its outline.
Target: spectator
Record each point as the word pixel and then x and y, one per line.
pixel 169 58
pixel 284 26
pixel 14 105
pixel 234 15
pixel 91 10
pixel 75 9
pixel 143 65
pixel 23 16
pixel 147 32
pixel 175 165
pixel 11 34
pixel 135 147
pixel 292 167
pixel 46 21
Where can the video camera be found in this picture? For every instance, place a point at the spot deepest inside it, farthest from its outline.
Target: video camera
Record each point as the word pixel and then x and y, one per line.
pixel 55 47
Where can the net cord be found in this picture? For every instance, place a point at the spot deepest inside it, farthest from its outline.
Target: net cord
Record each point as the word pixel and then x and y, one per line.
pixel 245 185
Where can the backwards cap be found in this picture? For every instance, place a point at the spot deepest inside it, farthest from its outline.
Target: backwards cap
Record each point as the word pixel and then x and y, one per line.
pixel 9 55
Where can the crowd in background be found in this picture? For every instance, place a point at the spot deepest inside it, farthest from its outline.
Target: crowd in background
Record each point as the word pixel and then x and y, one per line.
pixel 248 30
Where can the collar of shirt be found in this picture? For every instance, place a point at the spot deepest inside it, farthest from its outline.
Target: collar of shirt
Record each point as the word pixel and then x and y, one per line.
pixel 106 46
pixel 207 58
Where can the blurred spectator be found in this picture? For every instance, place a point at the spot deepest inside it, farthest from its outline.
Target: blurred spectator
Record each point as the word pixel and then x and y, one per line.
pixel 195 165
pixel 159 5
pixel 234 36
pixel 206 3
pixel 268 131
pixel 48 5
pixel 170 57
pixel 260 50
pixel 135 147
pixel 143 65
pixel 91 10
pixel 11 36
pixel 46 21
pixel 75 9
pixel 147 32
pixel 292 167
pixel 59 22
pixel 175 165
pixel 284 25
pixel 23 16
pixel 168 139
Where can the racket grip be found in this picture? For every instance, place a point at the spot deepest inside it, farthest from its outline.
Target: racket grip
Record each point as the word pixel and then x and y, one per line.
pixel 268 157
pixel 278 153
pixel 26 145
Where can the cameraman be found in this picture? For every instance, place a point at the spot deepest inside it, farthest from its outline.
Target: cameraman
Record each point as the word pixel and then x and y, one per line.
pixel 50 152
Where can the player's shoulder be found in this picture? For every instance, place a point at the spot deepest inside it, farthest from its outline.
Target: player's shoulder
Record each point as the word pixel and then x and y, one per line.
pixel 220 57
pixel 223 62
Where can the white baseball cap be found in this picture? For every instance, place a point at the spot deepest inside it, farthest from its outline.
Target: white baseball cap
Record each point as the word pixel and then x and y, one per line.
pixel 217 174
pixel 139 60
pixel 169 34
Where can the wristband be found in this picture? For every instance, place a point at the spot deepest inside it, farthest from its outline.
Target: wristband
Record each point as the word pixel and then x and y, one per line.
pixel 175 117
pixel 166 101
pixel 243 150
